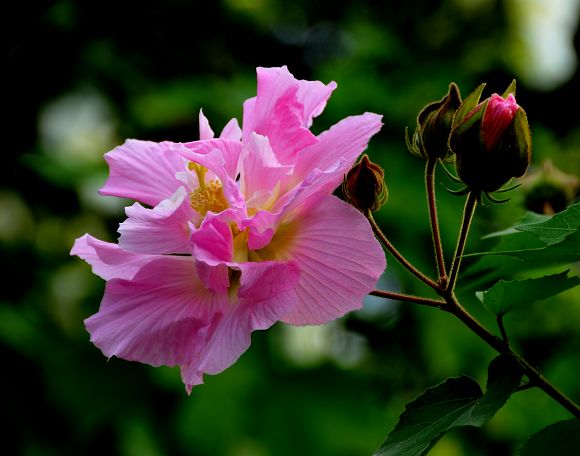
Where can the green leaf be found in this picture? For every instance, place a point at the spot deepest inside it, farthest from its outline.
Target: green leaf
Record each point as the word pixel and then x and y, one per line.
pixel 534 242
pixel 519 253
pixel 561 438
pixel 455 402
pixel 567 251
pixel 527 219
pixel 506 296
pixel 557 228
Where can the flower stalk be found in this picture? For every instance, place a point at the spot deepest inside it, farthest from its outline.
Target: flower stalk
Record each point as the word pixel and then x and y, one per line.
pixel 400 258
pixel 408 298
pixel 468 211
pixel 430 186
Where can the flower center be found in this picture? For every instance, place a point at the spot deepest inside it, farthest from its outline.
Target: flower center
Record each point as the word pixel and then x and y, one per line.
pixel 209 196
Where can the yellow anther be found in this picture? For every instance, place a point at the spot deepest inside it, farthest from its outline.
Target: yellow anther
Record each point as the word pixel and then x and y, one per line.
pixel 209 197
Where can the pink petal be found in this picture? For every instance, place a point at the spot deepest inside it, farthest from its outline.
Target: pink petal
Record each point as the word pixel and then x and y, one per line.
pixel 304 197
pixel 276 113
pixel 232 131
pixel 340 262
pixel 217 155
pixel 314 95
pixel 260 170
pixel 164 316
pixel 266 294
pixel 163 229
pixel 263 281
pixel 213 241
pixel 205 131
pixel 108 260
pixel 341 144
pixel 320 168
pixel 229 152
pixel 143 171
pixel 213 247
pixel 262 227
pixel 498 115
pixel 215 277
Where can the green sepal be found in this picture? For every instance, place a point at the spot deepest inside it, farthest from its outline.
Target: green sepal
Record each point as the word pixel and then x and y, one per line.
pixel 434 122
pixel 507 188
pixel 451 176
pixel 510 90
pixel 462 191
pixel 469 122
pixel 514 150
pixel 493 199
pixel 468 105
pixel 413 145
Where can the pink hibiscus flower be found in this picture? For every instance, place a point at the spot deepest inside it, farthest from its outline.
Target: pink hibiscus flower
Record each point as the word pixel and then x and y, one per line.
pixel 235 233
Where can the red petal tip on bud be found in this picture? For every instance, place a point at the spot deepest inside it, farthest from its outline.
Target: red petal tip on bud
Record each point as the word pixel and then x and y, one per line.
pixel 497 117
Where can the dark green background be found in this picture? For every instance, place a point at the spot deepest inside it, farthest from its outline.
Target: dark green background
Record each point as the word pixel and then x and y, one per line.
pixel 83 76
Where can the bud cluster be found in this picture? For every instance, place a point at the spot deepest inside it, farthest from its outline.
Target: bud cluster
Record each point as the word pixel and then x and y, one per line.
pixel 490 141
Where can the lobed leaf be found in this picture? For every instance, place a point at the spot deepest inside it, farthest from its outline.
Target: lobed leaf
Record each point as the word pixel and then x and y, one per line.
pixel 508 295
pixel 534 242
pixel 455 402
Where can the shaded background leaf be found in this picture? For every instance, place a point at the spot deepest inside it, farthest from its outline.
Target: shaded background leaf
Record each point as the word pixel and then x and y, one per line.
pixel 558 439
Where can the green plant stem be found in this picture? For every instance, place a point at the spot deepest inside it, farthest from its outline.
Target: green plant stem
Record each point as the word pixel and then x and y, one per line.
pixel 468 211
pixel 408 298
pixel 535 377
pixel 452 305
pixel 400 258
pixel 430 187
pixel 502 330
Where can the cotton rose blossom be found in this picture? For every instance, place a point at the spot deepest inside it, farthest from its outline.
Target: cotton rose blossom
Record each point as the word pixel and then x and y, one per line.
pixel 233 233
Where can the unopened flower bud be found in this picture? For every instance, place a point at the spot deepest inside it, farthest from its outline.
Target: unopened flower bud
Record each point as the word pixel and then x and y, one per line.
pixel 431 137
pixel 491 140
pixel 364 185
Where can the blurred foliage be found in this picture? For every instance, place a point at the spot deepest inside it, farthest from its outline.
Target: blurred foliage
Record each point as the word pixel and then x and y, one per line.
pixel 82 76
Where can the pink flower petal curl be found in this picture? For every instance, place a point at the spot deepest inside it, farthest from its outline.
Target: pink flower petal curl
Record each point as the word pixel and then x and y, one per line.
pixel 143 171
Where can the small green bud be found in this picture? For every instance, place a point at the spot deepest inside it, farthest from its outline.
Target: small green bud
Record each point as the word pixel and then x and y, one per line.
pixel 431 137
pixel 364 185
pixel 491 140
